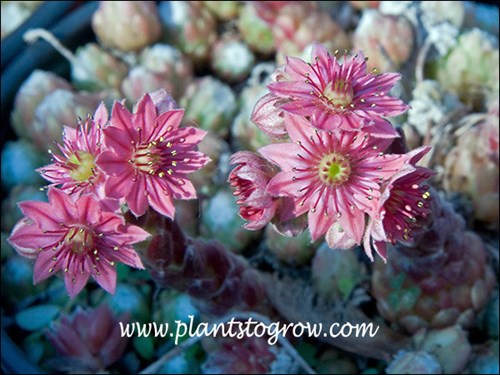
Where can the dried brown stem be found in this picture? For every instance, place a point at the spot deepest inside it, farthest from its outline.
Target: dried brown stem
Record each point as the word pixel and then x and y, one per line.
pixel 295 301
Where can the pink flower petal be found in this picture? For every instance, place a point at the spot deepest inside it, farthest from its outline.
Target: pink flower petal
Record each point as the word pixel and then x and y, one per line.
pixel 170 121
pixel 298 129
pixel 197 160
pixel 106 277
pixel 382 129
pixel 160 201
pixel 118 186
pixel 296 68
pixel 283 155
pixel 101 116
pixel 319 223
pixel 337 238
pixel 42 215
pixel 133 234
pixel 118 141
pixel 320 53
pixel 381 249
pixel 352 221
pixel 295 89
pixel 188 137
pixel 267 115
pixel 321 215
pixel 136 198
pixel 121 119
pixel 283 185
pixel 182 188
pixel 128 256
pixel 75 282
pixel 26 238
pixel 45 266
pixel 112 164
pixel 145 115
pixel 300 106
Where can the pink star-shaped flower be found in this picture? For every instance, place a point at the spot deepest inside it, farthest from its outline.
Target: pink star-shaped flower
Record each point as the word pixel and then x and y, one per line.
pixel 338 95
pixel 148 157
pixel 76 237
pixel 334 176
pixel 75 171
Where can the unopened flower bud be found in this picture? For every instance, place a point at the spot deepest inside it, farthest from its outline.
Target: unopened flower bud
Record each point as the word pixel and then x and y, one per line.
pixel 231 59
pixel 194 38
pixel 471 169
pixel 210 104
pixel 141 80
pixel 413 362
pixel 32 92
pixel 386 40
pixel 255 31
pixel 246 135
pixel 364 4
pixel 170 64
pixel 59 108
pixel 291 250
pixel 220 221
pixel 223 10
pixel 127 25
pixel 471 67
pixel 336 273
pixel 296 27
pixel 97 69
pixel 450 346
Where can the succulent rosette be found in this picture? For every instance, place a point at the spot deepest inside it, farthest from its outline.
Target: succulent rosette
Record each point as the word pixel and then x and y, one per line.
pixel 90 337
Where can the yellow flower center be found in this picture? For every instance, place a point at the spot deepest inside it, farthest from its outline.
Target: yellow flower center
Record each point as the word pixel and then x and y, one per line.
pixel 82 165
pixel 79 240
pixel 339 94
pixel 334 169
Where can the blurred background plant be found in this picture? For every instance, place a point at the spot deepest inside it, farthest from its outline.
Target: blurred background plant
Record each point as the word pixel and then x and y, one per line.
pixel 437 301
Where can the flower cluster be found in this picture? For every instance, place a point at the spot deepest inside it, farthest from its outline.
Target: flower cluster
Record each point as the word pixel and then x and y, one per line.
pixel 138 158
pixel 338 165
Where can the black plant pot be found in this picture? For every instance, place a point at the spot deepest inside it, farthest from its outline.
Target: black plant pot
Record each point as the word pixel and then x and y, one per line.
pixel 72 30
pixel 46 16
